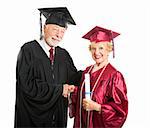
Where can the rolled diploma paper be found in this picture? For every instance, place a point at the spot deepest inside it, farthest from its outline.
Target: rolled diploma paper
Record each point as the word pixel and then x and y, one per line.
pixel 87 86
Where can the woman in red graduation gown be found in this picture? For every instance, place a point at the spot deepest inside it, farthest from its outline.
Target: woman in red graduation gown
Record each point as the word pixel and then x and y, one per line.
pixel 108 106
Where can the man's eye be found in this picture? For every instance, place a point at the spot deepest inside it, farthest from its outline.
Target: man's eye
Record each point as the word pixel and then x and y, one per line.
pixel 62 31
pixel 55 29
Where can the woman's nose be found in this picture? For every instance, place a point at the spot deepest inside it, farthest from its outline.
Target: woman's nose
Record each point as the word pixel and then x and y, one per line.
pixel 96 51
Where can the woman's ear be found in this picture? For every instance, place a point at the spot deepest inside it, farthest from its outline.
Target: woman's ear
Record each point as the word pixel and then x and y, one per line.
pixel 109 47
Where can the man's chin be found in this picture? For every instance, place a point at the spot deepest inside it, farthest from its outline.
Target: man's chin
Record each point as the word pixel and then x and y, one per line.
pixel 52 44
pixel 55 44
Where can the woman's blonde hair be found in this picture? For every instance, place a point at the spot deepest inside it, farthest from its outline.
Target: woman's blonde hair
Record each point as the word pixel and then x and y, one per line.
pixel 109 46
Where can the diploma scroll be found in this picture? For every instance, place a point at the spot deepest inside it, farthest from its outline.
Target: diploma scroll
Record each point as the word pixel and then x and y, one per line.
pixel 87 86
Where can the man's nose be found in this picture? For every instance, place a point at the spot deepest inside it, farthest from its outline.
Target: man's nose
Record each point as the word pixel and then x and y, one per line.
pixel 58 35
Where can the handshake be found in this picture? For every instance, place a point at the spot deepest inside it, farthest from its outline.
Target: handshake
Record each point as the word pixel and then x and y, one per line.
pixel 67 89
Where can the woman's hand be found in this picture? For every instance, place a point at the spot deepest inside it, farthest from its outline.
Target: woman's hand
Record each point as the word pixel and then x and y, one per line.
pixel 90 105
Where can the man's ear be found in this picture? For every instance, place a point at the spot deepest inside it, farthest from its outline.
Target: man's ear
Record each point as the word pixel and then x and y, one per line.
pixel 44 26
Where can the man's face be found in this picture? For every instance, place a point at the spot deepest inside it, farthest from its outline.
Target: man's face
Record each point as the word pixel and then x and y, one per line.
pixel 53 34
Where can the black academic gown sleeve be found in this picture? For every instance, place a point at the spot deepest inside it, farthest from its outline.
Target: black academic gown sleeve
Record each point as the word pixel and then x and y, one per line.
pixel 74 76
pixel 36 99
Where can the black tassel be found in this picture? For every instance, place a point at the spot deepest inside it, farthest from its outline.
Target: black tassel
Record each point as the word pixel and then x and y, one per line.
pixel 41 36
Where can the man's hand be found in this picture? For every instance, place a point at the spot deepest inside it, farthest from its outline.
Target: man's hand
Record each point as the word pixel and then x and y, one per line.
pixel 91 105
pixel 67 89
pixel 71 88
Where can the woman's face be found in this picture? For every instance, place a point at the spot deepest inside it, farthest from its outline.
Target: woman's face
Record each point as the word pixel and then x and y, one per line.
pixel 53 34
pixel 99 51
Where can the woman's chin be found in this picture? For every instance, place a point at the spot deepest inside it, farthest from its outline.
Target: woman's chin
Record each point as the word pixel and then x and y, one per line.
pixel 98 61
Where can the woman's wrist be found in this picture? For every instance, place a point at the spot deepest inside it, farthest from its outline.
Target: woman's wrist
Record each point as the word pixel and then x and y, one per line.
pixel 98 107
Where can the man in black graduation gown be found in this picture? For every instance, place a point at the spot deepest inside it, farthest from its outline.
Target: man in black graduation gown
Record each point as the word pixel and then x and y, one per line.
pixel 43 73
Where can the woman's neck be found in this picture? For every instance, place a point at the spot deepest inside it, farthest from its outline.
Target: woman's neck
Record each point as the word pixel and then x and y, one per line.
pixel 98 66
pixel 102 64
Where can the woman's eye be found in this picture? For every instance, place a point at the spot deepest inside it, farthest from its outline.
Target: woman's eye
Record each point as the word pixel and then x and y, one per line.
pixel 100 48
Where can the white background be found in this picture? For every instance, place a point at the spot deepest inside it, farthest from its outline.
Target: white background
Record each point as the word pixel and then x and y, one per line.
pixel 19 23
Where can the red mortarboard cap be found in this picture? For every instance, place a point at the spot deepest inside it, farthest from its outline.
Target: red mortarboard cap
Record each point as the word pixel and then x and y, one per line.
pixel 99 34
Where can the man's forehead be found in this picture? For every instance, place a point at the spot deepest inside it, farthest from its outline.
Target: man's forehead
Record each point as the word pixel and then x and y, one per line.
pixel 55 26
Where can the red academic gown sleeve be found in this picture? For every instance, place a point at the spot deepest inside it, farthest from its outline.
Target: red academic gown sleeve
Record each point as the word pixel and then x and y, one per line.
pixel 114 110
pixel 72 103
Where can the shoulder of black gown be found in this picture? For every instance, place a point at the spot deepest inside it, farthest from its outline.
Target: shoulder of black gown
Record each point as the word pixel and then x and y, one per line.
pixel 34 48
pixel 63 51
pixel 29 44
pixel 26 50
pixel 26 47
